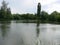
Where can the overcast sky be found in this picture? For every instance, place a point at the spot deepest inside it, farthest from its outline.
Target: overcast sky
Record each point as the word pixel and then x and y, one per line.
pixel 30 6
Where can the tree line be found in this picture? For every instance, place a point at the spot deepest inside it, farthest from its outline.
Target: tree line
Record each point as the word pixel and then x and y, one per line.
pixel 42 16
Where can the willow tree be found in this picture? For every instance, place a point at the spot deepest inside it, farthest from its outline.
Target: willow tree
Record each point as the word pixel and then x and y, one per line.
pixel 38 9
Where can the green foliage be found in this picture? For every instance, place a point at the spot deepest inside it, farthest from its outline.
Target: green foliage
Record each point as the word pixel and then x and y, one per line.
pixel 58 18
pixel 24 16
pixel 5 12
pixel 16 16
pixel 44 16
pixel 38 9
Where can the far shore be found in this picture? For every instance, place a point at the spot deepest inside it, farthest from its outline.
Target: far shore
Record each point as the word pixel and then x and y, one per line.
pixel 29 21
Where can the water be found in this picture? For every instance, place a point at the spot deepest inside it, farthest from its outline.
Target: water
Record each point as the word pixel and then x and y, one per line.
pixel 13 33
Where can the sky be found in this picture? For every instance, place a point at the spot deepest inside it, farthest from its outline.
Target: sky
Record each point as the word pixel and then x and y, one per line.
pixel 30 6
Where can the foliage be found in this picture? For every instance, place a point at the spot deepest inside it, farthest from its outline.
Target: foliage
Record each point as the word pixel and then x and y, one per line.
pixel 5 12
pixel 44 16
pixel 38 9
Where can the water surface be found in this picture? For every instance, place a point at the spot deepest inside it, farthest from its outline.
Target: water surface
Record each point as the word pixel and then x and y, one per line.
pixel 12 33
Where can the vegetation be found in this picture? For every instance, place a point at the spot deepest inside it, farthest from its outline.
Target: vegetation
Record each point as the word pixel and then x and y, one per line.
pixel 38 9
pixel 42 16
pixel 5 12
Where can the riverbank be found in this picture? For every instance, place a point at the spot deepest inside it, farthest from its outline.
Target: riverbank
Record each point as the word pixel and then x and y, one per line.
pixel 28 21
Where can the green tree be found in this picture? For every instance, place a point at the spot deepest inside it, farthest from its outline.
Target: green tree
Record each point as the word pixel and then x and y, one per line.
pixel 9 15
pixel 5 12
pixel 52 16
pixel 44 16
pixel 58 18
pixel 38 9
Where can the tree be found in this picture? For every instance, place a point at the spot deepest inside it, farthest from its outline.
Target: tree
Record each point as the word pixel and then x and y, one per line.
pixel 4 5
pixel 38 9
pixel 9 16
pixel 52 16
pixel 8 11
pixel 44 16
pixel 5 12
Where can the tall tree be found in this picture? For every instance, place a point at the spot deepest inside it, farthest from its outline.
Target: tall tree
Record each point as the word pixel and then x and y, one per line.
pixel 3 9
pixel 5 12
pixel 4 5
pixel 38 9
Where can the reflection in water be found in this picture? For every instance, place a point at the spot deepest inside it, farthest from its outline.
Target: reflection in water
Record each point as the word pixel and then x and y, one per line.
pixel 38 31
pixel 5 27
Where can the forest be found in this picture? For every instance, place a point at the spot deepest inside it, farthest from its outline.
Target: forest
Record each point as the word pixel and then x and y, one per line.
pixel 42 16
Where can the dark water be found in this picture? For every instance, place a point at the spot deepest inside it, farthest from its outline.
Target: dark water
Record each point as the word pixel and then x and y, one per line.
pixel 12 33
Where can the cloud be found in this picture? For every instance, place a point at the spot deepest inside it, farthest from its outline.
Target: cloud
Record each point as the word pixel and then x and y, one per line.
pixel 50 6
pixel 47 2
pixel 53 7
pixel 30 6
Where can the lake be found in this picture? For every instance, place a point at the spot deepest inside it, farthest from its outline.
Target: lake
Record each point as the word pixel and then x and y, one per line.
pixel 15 33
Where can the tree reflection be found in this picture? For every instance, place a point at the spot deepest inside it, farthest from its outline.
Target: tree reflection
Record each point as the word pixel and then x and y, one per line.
pixel 37 29
pixel 5 25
